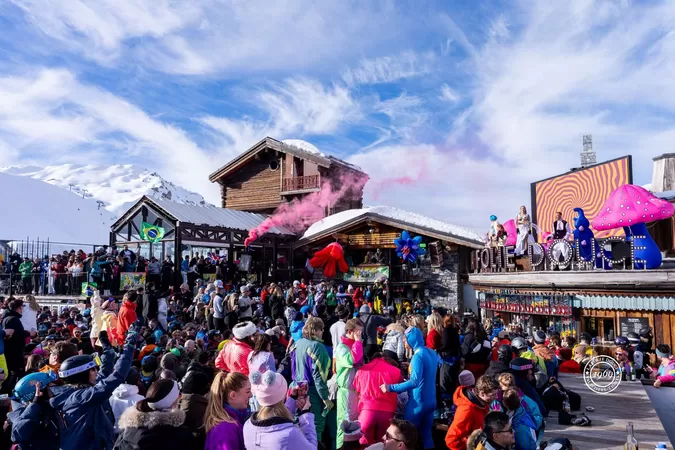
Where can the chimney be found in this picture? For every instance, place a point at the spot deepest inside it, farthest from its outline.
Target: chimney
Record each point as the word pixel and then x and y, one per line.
pixel 663 175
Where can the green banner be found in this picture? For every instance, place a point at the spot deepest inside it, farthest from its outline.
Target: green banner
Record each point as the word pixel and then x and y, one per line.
pixel 151 233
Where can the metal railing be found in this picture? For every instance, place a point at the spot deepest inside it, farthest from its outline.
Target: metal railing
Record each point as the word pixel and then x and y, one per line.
pixel 301 183
pixel 61 284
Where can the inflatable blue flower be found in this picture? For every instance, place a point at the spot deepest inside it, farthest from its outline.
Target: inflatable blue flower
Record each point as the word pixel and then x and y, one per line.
pixel 407 248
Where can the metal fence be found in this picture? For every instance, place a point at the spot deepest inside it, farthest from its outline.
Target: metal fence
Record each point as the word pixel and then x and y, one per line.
pixel 65 284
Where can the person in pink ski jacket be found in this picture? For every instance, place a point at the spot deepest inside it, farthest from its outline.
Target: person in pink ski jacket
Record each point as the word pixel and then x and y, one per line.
pixel 376 409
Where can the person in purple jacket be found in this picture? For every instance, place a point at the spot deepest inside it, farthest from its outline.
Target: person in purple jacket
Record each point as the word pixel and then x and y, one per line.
pixel 227 411
pixel 273 425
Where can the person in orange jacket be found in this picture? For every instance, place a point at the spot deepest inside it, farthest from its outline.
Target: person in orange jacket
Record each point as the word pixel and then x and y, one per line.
pixel 126 316
pixel 473 404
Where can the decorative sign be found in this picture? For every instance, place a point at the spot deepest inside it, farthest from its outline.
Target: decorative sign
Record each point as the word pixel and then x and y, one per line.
pixel 245 262
pixel 561 254
pixel 632 324
pixel 366 274
pixel 132 280
pixel 548 305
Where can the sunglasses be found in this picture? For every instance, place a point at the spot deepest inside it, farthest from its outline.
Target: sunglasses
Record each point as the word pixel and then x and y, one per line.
pixel 509 430
pixel 389 437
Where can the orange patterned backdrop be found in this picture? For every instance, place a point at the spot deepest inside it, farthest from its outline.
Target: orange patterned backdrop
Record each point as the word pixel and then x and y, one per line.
pixel 587 189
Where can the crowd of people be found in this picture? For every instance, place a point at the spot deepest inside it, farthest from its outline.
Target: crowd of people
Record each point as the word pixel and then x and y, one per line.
pixel 225 366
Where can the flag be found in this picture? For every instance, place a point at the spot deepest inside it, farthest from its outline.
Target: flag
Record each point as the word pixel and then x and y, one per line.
pixel 151 233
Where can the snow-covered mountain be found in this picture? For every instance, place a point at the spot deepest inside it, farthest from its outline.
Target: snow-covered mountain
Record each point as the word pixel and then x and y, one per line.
pixel 117 186
pixel 36 210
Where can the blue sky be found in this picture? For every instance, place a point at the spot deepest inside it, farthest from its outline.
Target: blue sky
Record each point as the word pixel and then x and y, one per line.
pixel 475 100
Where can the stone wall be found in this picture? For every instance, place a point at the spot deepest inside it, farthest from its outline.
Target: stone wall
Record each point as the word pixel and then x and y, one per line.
pixel 442 283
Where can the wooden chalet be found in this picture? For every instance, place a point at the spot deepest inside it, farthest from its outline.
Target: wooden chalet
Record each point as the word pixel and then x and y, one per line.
pixel 273 172
pixel 367 236
pixel 203 229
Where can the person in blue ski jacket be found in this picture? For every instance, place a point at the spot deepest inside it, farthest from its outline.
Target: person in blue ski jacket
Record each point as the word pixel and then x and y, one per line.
pixel 85 416
pixel 422 383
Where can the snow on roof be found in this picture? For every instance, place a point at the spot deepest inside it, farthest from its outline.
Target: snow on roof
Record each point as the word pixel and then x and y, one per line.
pixel 303 145
pixel 34 209
pixel 216 217
pixel 398 215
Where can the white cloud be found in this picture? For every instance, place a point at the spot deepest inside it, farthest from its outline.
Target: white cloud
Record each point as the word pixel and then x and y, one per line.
pixel 54 117
pixel 448 94
pixel 388 69
pixel 294 108
pixel 217 36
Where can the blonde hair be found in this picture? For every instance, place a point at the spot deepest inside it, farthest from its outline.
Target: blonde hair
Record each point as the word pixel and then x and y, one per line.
pixel 276 410
pixel 506 380
pixel 221 387
pixel 313 326
pixel 417 321
pixel 435 321
pixel 232 301
pixel 395 327
pixel 30 299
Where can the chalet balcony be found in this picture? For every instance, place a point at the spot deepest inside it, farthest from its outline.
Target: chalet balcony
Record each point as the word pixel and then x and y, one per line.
pixel 301 184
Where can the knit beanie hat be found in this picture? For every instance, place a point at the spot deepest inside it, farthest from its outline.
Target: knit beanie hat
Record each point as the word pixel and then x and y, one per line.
pixel 539 337
pixel 351 431
pixel 342 312
pixel 364 309
pixel 244 330
pixel 466 378
pixel 269 387
pixel 520 364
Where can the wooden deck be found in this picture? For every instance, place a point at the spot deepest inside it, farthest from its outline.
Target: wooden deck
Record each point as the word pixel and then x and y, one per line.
pixel 629 402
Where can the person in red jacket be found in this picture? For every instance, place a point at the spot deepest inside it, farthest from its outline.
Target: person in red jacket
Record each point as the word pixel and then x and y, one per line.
pixel 473 404
pixel 234 356
pixel 503 340
pixel 568 365
pixel 126 316
pixel 434 338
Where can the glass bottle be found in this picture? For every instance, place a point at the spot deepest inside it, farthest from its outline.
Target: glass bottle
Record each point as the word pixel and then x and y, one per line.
pixel 631 442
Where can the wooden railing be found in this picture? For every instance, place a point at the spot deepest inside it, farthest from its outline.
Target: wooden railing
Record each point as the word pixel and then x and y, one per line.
pixel 301 183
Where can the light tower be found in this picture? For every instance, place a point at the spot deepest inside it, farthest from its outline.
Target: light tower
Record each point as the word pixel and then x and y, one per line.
pixel 588 155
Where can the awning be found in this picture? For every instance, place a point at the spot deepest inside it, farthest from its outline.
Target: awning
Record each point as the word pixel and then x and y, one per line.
pixel 626 302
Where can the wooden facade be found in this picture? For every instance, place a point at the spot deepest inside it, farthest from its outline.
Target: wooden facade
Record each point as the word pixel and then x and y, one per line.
pixel 181 236
pixel 272 173
pixel 661 322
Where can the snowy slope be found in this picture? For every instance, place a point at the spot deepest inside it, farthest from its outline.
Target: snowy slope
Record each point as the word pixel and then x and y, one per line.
pixel 34 209
pixel 118 186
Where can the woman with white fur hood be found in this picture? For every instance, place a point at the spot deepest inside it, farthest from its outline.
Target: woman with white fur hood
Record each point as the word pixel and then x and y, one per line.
pixel 155 422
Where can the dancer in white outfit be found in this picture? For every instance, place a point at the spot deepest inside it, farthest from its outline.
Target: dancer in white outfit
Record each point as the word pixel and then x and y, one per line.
pixel 524 229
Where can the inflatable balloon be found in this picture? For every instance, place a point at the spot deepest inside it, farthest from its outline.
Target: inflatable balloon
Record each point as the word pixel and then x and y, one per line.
pixel 632 207
pixel 511 234
pixel 331 258
pixel 407 248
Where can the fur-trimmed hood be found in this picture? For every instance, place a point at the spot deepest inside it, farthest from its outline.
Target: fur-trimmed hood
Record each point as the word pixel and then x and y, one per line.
pixel 133 418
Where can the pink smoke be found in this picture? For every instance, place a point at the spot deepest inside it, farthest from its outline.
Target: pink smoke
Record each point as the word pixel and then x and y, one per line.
pixel 418 167
pixel 298 215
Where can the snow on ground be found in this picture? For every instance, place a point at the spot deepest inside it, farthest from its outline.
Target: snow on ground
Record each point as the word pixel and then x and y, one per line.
pixel 118 186
pixel 398 215
pixel 303 145
pixel 34 209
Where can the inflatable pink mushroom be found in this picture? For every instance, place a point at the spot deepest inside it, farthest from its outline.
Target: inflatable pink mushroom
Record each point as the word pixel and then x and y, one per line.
pixel 632 207
pixel 511 235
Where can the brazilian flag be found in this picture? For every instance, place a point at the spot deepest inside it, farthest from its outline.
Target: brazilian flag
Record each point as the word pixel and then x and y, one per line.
pixel 151 233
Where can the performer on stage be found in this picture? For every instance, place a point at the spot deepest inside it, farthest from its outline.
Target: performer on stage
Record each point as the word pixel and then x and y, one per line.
pixel 524 230
pixel 561 229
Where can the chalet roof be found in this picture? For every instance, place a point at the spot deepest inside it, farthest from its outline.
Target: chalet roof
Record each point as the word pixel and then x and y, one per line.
pixel 413 222
pixel 318 158
pixel 206 215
